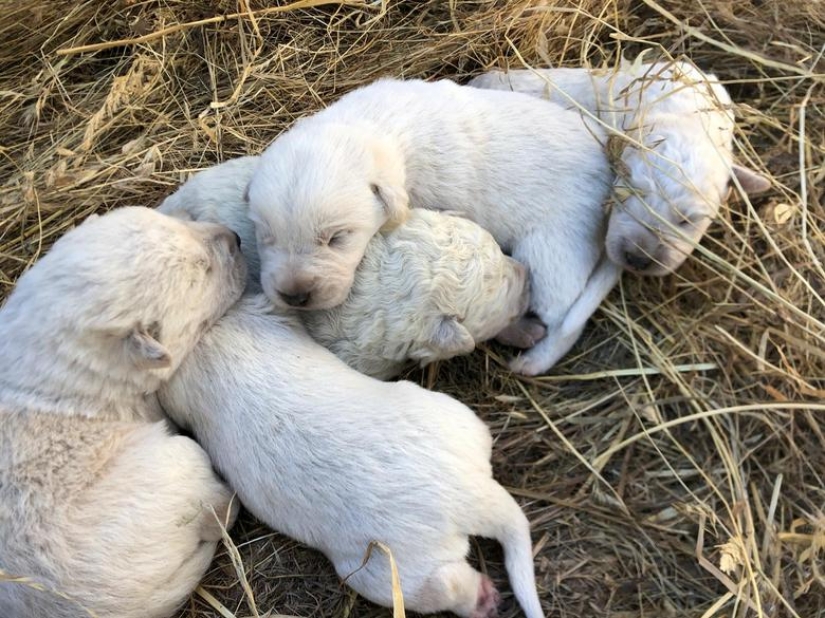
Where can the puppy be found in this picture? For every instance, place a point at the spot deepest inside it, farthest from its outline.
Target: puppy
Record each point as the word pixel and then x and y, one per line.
pixel 217 195
pixel 428 290
pixel 324 188
pixel 674 156
pixel 102 511
pixel 336 460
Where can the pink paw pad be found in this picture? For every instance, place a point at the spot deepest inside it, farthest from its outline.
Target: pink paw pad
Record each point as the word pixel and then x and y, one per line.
pixel 488 600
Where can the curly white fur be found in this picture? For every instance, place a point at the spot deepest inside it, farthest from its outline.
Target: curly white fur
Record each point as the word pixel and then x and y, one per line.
pixel 675 157
pixel 101 508
pixel 429 290
pixel 336 459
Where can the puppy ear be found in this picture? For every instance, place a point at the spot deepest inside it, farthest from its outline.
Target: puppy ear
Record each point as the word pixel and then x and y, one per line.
pixel 451 338
pixel 395 204
pixel 146 351
pixel 388 185
pixel 751 181
pixel 171 206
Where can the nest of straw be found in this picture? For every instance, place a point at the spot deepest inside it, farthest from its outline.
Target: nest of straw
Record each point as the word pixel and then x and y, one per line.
pixel 672 464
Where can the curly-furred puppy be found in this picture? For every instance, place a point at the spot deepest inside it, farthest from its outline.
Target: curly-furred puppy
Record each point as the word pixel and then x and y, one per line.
pixel 675 160
pixel 428 290
pixel 325 187
pixel 102 510
pixel 336 459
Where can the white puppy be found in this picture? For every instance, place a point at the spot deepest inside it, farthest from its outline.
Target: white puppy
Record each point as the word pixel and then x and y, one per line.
pixel 217 195
pixel 336 460
pixel 674 163
pixel 101 511
pixel 428 290
pixel 324 188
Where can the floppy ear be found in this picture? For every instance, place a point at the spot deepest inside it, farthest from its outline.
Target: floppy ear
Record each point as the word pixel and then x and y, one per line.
pixel 146 351
pixel 388 184
pixel 395 204
pixel 752 183
pixel 448 339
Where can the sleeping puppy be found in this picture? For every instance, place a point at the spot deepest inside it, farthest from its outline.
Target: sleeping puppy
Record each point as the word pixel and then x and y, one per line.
pixel 102 510
pixel 324 188
pixel 674 156
pixel 336 459
pixel 428 290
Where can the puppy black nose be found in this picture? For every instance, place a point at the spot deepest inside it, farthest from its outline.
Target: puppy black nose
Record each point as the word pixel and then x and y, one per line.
pixel 295 300
pixel 636 261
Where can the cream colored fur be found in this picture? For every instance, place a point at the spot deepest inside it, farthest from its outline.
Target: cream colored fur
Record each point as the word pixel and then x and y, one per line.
pixel 336 460
pixel 102 510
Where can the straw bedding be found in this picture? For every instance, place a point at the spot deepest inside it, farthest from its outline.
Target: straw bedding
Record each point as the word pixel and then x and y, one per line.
pixel 673 464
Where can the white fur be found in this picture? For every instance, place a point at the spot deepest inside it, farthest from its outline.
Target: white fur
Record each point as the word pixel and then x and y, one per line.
pixel 102 510
pixel 428 290
pixel 360 163
pixel 336 460
pixel 216 194
pixel 675 162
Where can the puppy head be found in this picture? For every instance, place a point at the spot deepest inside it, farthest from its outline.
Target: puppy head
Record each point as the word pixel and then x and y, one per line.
pixel 319 194
pixel 129 293
pixel 668 192
pixel 475 291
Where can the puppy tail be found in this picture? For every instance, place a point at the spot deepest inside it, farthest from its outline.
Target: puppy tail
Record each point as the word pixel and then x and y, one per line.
pixel 502 519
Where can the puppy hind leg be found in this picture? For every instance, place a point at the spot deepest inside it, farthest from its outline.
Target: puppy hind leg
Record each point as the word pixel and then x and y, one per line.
pixel 560 339
pixel 558 274
pixel 149 532
pixel 459 588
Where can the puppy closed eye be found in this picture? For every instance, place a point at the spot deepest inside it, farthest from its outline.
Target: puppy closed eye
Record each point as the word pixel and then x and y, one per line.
pixel 337 239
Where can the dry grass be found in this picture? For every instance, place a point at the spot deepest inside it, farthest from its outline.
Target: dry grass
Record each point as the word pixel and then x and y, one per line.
pixel 673 464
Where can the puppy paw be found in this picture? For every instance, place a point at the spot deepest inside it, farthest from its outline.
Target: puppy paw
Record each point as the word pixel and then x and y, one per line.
pixel 488 600
pixel 226 511
pixel 525 365
pixel 523 334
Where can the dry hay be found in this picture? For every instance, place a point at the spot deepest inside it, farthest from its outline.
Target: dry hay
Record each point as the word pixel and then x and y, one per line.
pixel 673 464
